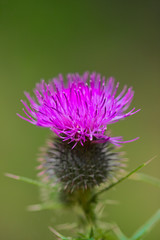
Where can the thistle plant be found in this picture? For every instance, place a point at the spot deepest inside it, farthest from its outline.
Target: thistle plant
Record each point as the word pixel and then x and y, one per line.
pixel 81 158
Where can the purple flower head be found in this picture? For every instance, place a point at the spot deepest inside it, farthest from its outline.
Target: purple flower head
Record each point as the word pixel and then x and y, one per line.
pixel 81 110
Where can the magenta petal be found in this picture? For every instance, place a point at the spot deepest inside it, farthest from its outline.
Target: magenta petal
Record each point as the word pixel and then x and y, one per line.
pixel 81 110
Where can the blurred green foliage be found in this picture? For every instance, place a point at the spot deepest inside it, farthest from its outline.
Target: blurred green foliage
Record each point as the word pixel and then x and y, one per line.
pixel 89 211
pixel 40 39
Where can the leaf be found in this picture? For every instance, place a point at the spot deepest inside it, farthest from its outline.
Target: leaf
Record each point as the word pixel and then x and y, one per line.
pixel 28 180
pixel 67 226
pixel 147 227
pixel 146 178
pixel 119 181
pixel 44 206
pixel 58 235
pixel 119 233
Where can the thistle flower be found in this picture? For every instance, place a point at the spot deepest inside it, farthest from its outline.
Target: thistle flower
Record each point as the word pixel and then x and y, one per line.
pixel 78 113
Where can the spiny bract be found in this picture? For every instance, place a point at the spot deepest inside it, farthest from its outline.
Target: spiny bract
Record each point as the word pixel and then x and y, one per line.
pixel 82 167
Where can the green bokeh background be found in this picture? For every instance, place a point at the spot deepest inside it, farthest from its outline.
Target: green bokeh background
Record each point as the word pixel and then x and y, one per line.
pixel 39 40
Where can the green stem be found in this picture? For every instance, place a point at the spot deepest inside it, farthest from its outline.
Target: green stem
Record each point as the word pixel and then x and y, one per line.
pixel 94 197
pixel 87 207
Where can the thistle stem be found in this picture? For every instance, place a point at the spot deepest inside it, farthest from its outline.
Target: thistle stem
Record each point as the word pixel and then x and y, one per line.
pixel 94 196
pixel 87 206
